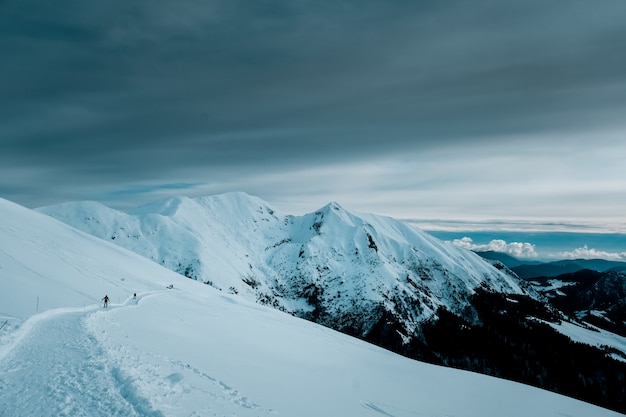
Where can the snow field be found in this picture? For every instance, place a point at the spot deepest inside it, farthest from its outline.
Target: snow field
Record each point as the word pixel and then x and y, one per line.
pixel 193 353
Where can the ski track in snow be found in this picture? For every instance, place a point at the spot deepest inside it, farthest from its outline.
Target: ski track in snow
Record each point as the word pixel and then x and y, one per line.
pixel 53 366
pixel 172 382
pixel 218 394
pixel 56 368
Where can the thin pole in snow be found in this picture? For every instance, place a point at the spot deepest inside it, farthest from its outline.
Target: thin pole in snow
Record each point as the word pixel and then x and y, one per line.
pixel 3 324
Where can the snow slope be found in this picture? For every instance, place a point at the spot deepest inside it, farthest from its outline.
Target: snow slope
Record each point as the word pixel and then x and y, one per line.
pixel 335 267
pixel 34 249
pixel 196 351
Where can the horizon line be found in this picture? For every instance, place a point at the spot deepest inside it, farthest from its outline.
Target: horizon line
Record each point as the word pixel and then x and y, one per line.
pixel 517 225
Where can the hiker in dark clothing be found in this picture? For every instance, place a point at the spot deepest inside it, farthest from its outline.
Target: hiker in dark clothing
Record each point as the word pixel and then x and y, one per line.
pixel 106 301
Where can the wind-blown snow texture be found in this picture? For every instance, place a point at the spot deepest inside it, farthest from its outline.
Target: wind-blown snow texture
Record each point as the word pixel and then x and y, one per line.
pixel 333 266
pixel 196 351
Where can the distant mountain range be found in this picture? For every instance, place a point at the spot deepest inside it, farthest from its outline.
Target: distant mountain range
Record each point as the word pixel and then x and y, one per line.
pixel 372 277
pixel 597 298
pixel 589 290
pixel 531 269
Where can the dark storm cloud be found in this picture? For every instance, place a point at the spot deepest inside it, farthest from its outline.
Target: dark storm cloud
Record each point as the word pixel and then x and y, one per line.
pixel 142 90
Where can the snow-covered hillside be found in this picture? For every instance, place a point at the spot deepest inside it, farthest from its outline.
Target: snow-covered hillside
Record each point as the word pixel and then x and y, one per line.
pixel 335 267
pixel 197 351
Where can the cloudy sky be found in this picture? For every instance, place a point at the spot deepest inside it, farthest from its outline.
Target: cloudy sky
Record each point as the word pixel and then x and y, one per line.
pixel 468 110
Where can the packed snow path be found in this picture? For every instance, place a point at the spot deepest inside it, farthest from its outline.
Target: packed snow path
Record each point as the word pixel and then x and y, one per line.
pixel 59 369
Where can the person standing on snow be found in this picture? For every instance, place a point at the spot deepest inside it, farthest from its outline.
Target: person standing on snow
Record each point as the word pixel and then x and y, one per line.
pixel 106 301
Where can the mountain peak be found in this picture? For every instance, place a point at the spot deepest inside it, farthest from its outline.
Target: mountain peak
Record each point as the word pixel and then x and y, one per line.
pixel 165 207
pixel 237 200
pixel 233 203
pixel 332 216
pixel 332 206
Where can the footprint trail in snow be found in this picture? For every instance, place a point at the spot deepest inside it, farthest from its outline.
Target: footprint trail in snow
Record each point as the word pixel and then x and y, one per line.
pixel 58 369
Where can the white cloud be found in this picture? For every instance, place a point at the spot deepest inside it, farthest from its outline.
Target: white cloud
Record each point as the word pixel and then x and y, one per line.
pixel 590 253
pixel 516 249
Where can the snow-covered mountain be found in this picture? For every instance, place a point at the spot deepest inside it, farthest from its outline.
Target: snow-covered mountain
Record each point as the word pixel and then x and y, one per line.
pixel 194 350
pixel 337 268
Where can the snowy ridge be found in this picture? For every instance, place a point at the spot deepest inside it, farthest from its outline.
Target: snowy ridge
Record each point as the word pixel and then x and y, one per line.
pixel 33 243
pixel 208 239
pixel 332 266
pixel 196 351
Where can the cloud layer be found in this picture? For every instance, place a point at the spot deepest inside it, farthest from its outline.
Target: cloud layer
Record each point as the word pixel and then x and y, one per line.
pixel 590 253
pixel 525 250
pixel 449 109
pixel 516 249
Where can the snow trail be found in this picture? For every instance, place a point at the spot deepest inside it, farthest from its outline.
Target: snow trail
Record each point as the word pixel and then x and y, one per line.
pixel 57 368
